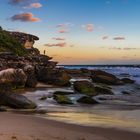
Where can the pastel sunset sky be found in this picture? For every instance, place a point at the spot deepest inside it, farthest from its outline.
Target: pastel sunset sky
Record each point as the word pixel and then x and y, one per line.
pixel 79 31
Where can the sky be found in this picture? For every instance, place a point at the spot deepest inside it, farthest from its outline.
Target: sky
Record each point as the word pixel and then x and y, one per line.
pixel 79 31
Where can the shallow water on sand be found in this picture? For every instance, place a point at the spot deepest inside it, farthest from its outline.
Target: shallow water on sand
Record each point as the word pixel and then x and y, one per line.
pixel 116 114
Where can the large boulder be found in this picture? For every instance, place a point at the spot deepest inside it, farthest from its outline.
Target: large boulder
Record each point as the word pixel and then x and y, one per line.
pixel 13 100
pixel 53 76
pixel 85 87
pixel 62 99
pixel 87 100
pixel 15 77
pixel 99 76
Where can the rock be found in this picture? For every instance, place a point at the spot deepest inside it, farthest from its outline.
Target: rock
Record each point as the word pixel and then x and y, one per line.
pixel 62 79
pixel 63 93
pixel 103 90
pixel 62 99
pixel 13 100
pixel 78 72
pixel 102 98
pixel 53 76
pixel 27 40
pixel 126 92
pixel 84 70
pixel 43 98
pixel 3 109
pixel 128 81
pixel 16 77
pixel 31 77
pixel 99 76
pixel 87 100
pixel 84 87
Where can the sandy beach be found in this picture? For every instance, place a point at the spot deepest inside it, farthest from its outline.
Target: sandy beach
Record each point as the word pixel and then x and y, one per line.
pixel 29 127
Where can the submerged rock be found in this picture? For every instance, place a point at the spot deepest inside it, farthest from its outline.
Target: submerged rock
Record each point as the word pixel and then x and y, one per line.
pixel 62 93
pixel 62 99
pixel 103 90
pixel 87 100
pixel 85 87
pixel 43 98
pixel 99 76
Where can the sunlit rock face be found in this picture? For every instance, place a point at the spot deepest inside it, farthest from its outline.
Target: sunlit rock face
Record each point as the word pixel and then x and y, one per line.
pixel 27 40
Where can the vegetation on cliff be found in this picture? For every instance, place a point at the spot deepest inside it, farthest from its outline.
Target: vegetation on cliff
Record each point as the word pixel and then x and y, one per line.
pixel 9 44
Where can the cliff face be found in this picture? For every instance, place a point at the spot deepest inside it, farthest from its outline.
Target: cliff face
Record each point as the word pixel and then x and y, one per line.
pixel 26 40
pixel 8 43
pixel 17 42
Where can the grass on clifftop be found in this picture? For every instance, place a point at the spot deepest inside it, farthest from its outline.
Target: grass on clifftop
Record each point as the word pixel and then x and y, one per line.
pixel 9 44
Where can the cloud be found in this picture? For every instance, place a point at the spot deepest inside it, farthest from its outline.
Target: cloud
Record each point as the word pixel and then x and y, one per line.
pixel 125 49
pixel 119 38
pixel 25 17
pixel 58 38
pixel 62 31
pixel 26 4
pixel 63 44
pixel 19 2
pixel 64 25
pixel 105 37
pixel 60 25
pixel 33 5
pixel 88 27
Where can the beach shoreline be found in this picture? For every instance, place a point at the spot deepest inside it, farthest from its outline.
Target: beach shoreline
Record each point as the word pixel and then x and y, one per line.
pixel 30 127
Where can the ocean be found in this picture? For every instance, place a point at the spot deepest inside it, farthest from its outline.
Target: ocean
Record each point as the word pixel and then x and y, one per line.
pixel 118 111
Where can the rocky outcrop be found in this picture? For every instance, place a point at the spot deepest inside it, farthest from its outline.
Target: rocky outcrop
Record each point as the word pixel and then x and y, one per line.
pixel 99 76
pixel 27 40
pixel 78 72
pixel 85 87
pixel 53 76
pixel 31 76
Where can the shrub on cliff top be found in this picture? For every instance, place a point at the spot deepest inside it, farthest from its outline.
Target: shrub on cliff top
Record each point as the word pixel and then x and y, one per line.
pixel 9 43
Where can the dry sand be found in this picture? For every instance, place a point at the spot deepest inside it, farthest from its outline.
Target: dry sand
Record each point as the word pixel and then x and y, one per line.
pixel 28 127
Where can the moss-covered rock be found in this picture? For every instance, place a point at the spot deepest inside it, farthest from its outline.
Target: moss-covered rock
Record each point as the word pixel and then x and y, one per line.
pixel 85 87
pixel 87 100
pixel 62 99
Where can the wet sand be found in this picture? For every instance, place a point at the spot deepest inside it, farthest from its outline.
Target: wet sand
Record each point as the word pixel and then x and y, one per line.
pixel 29 127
